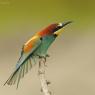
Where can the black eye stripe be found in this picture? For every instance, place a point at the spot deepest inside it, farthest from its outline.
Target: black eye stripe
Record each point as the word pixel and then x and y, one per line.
pixel 56 29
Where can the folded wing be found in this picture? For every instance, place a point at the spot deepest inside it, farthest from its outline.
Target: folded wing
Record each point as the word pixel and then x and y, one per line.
pixel 24 64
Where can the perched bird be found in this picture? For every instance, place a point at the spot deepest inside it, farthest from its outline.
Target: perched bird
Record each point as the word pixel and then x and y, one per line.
pixel 35 47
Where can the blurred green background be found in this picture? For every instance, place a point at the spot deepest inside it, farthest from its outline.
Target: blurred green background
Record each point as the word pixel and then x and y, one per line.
pixel 72 71
pixel 36 14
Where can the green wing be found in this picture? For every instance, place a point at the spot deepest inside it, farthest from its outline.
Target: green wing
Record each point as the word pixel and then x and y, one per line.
pixel 23 65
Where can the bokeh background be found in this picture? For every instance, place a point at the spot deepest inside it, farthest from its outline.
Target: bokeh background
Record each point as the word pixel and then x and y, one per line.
pixel 71 66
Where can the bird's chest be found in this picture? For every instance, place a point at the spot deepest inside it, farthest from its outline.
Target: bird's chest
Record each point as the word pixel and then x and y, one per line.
pixel 46 42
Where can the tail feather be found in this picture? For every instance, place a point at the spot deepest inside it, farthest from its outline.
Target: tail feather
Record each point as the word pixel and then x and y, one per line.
pixel 19 73
pixel 19 77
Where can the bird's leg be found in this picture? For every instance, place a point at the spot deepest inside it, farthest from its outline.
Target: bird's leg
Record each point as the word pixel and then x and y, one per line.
pixel 44 59
pixel 45 62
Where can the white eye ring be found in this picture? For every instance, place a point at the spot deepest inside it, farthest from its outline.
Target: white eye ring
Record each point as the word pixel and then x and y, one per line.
pixel 60 24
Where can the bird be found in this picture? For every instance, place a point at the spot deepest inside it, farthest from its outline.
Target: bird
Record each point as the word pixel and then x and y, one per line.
pixel 36 47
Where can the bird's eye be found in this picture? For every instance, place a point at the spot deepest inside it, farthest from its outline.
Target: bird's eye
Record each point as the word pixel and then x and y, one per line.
pixel 60 24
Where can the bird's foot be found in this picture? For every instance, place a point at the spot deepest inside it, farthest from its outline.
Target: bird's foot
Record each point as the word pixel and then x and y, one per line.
pixel 42 57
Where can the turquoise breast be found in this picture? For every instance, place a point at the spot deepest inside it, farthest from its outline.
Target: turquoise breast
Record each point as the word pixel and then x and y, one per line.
pixel 45 44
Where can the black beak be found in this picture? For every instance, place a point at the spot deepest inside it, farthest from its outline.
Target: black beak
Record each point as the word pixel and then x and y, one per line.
pixel 66 23
pixel 61 26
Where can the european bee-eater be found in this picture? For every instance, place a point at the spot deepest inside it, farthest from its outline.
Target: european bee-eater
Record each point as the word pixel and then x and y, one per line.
pixel 34 47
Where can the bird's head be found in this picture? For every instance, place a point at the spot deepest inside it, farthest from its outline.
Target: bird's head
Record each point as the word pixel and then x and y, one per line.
pixel 57 29
pixel 54 29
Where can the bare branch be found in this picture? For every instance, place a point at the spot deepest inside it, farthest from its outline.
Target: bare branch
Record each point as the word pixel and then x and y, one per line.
pixel 44 82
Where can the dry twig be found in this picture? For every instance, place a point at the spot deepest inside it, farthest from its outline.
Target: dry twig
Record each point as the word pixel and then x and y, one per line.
pixel 44 82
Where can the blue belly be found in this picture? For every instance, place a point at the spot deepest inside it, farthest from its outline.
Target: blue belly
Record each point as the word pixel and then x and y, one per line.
pixel 45 44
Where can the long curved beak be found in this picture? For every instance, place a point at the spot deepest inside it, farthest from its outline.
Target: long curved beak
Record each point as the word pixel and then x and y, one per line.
pixel 66 23
pixel 61 26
